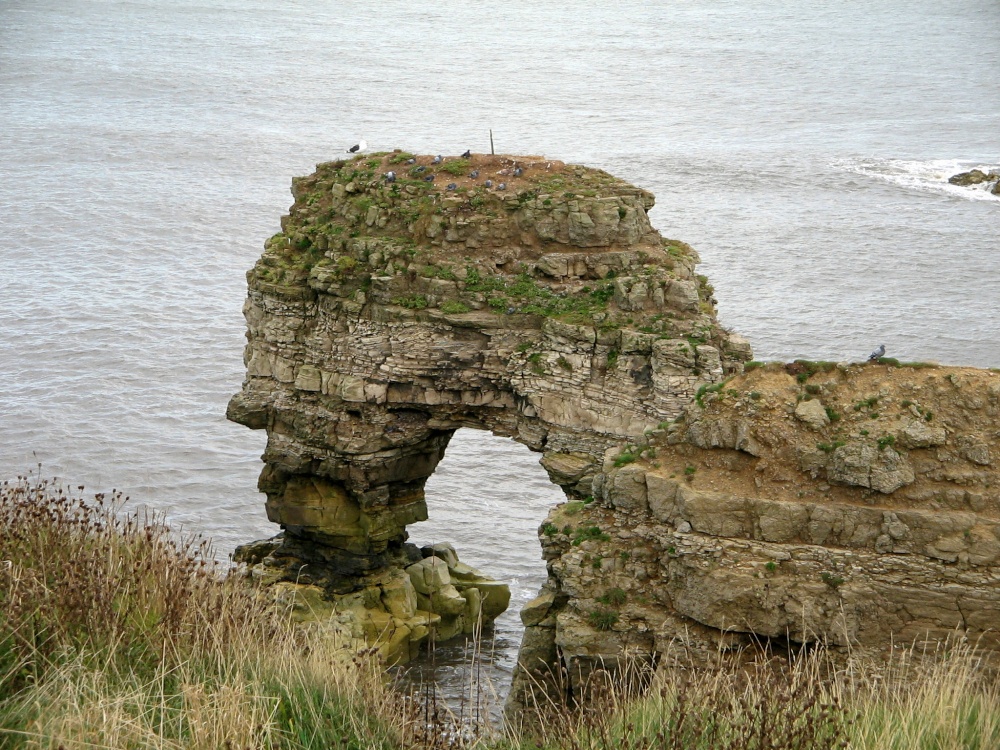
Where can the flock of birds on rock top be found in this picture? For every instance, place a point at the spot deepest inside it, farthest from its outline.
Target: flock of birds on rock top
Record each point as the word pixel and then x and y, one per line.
pixel 473 175
pixel 875 356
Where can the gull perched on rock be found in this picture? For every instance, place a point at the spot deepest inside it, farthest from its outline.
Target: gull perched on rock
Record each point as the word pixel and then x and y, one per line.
pixel 877 354
pixel 359 146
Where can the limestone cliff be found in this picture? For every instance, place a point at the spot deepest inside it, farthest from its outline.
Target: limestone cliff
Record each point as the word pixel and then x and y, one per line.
pixel 857 506
pixel 405 299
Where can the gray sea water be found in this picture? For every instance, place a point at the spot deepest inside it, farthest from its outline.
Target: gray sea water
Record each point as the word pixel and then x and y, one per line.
pixel 146 150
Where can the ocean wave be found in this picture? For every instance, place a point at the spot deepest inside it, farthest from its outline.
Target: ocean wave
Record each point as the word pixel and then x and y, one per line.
pixel 925 176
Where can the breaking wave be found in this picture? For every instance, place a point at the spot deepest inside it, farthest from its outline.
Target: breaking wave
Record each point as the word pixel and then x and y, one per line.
pixel 925 176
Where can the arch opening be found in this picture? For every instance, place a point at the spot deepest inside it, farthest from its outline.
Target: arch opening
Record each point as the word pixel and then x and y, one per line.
pixel 487 497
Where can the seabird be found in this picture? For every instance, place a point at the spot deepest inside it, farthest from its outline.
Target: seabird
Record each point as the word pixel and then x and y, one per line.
pixel 411 161
pixel 390 176
pixel 437 159
pixel 359 146
pixel 429 178
pixel 488 183
pixel 511 310
pixel 467 154
pixel 451 186
pixel 502 186
pixel 418 170
pixel 518 172
pixel 877 354
pixel 474 174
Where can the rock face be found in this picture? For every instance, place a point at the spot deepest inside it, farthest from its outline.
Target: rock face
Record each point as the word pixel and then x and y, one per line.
pixel 749 519
pixel 388 314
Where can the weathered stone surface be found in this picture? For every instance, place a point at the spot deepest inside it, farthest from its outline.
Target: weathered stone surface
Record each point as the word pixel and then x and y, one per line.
pixel 812 413
pixel 537 609
pixel 867 465
pixel 890 532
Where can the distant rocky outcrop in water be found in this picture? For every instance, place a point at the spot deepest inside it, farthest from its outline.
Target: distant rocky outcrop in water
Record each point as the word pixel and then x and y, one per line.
pixel 709 509
pixel 977 177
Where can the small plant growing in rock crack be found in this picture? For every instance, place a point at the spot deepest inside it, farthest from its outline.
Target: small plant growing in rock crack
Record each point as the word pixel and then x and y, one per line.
pixel 603 619
pixel 832 414
pixel 524 346
pixel 596 562
pixel 831 580
pixel 587 533
pixel 415 302
pixel 564 363
pixel 707 389
pixel 830 447
pixel 689 470
pixel 454 308
pixel 886 441
pixel 625 457
pixel 612 358
pixel 771 566
pixel 549 529
pixel 867 403
pixel 613 597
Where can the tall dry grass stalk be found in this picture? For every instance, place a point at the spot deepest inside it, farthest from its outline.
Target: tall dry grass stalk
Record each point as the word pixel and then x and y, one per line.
pixel 116 634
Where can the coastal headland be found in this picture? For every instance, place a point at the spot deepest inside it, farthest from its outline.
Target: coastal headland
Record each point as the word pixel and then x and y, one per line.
pixel 710 504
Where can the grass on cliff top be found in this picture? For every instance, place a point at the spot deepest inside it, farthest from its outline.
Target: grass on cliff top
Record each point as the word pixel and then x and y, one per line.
pixel 115 634
pixel 944 700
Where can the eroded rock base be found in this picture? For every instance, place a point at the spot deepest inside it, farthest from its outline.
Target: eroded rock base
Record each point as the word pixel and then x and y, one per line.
pixel 421 594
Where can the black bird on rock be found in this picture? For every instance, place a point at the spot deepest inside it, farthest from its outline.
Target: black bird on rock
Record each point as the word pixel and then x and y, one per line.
pixel 429 178
pixel 876 355
pixel 467 154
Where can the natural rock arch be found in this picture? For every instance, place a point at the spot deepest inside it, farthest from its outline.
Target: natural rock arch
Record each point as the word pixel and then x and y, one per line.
pixel 386 315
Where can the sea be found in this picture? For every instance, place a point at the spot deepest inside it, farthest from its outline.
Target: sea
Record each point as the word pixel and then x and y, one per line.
pixel 147 148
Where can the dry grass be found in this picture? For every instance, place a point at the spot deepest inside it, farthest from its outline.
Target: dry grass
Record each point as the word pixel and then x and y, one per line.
pixel 946 699
pixel 115 634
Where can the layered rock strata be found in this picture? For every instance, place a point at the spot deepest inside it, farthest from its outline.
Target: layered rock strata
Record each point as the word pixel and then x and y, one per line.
pixel 856 506
pixel 393 309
